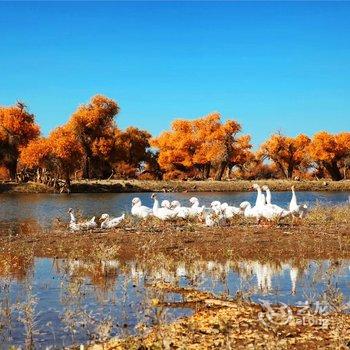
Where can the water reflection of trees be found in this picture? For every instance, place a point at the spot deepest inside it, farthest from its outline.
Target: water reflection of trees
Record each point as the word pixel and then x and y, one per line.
pixel 15 266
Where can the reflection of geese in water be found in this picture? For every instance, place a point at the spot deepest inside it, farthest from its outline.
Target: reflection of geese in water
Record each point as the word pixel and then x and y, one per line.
pixel 107 265
pixel 181 270
pixel 104 273
pixel 165 275
pixel 294 271
pixel 262 271
pixel 218 268
pixel 137 273
pixel 245 269
pixel 264 274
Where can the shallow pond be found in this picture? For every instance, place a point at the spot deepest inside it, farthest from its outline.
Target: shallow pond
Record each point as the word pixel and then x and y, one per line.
pixel 63 302
pixel 45 207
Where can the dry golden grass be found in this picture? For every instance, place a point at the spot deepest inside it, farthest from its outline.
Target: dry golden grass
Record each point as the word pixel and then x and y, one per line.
pixel 221 324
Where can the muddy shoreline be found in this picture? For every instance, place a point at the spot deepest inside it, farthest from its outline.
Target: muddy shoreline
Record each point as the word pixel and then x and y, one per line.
pixel 324 234
pixel 125 186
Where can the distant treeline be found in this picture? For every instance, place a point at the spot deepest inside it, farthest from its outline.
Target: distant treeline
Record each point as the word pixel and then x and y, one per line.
pixel 90 145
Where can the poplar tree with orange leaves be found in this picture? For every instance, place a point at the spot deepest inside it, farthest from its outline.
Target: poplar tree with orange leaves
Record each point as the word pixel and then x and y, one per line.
pixel 132 147
pixel 93 123
pixel 123 151
pixel 331 152
pixel 241 154
pixel 59 153
pixel 288 153
pixel 17 128
pixel 202 144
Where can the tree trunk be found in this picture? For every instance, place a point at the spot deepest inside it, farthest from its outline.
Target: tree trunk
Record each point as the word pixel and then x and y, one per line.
pixel 86 168
pixel 67 182
pixel 333 170
pixel 290 170
pixel 280 167
pixel 206 171
pixel 12 168
pixel 229 171
pixel 221 170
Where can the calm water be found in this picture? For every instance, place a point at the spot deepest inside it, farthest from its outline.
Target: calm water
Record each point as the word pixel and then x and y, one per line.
pixel 64 302
pixel 45 207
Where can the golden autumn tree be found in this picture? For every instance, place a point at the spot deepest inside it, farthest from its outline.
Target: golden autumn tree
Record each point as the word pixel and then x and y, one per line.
pixel 36 155
pixel 17 128
pixel 215 142
pixel 124 151
pixel 202 144
pixel 176 147
pixel 255 168
pixel 93 123
pixel 60 153
pixel 331 152
pixel 132 148
pixel 241 153
pixel 288 153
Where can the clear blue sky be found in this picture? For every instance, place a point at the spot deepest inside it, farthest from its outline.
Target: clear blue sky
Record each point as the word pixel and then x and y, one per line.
pixel 273 66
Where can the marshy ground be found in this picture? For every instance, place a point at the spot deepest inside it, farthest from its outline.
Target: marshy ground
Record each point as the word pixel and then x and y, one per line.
pixel 218 322
pixel 323 234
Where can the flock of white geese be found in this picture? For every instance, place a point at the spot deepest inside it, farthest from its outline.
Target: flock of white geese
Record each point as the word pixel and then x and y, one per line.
pixel 216 215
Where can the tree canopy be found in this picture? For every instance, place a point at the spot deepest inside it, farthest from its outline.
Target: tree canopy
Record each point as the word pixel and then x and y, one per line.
pixel 91 145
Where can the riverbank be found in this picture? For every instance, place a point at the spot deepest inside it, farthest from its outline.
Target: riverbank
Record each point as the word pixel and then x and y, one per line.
pixel 121 186
pixel 323 234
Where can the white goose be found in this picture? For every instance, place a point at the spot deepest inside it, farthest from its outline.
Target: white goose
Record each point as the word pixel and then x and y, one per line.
pixel 261 209
pixel 182 212
pixel 268 194
pixel 256 211
pixel 165 204
pixel 229 211
pixel 260 198
pixel 216 217
pixel 139 210
pixel 295 208
pixel 216 207
pixel 195 209
pixel 111 223
pixel 74 226
pixel 273 211
pixel 213 219
pixel 249 211
pixel 162 213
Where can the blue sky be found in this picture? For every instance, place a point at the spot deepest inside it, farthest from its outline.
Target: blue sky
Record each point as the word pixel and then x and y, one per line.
pixel 273 66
